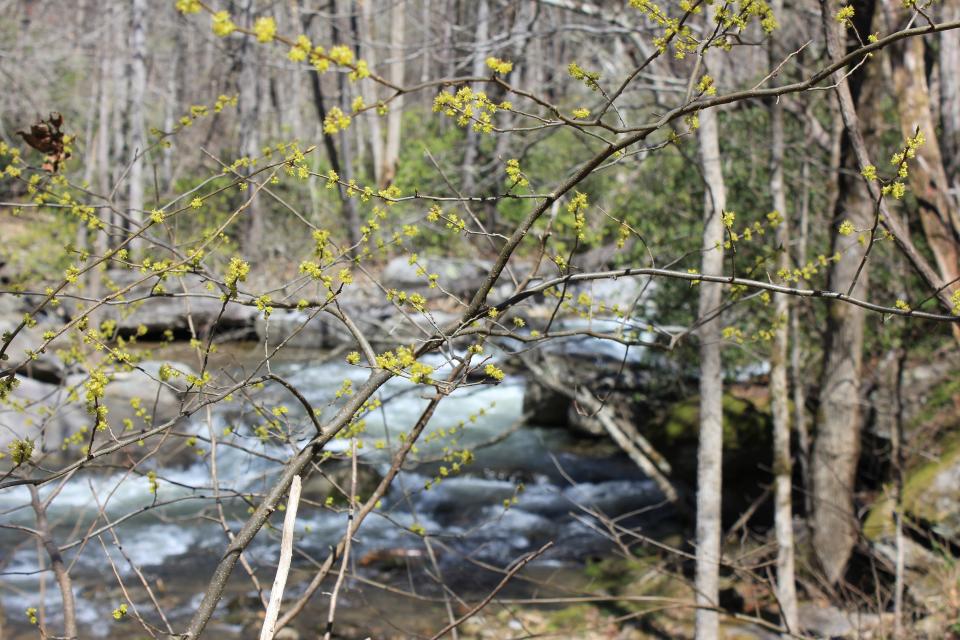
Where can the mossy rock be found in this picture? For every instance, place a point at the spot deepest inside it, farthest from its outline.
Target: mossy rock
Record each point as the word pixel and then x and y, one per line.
pixel 745 425
pixel 931 493
pixel 747 449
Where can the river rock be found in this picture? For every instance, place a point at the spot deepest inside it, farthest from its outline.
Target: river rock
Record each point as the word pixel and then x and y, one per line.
pixel 176 311
pixel 297 328
pixel 623 292
pixel 47 366
pixel 827 621
pixel 48 413
pixel 35 411
pixel 128 390
pixel 459 276
pixel 338 473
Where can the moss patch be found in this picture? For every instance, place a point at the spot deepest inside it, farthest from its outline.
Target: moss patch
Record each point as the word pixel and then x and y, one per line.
pixel 744 424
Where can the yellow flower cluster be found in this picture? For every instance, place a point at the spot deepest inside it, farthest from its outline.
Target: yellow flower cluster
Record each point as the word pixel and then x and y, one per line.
pixel 738 16
pixel 469 106
pixel 265 29
pixel 221 24
pixel 187 7
pixel 300 50
pixel 404 361
pixel 515 175
pixel 590 78
pixel 845 15
pixel 706 86
pixel 335 121
pixel 503 67
pixel 237 271
pixel 577 206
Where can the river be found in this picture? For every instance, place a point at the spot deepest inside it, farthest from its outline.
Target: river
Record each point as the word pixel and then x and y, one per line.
pixel 528 483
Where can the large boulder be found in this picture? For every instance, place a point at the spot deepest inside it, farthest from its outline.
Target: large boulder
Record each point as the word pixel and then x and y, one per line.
pixel 297 330
pixel 46 365
pixel 185 302
pixel 137 396
pixel 622 292
pixel 459 276
pixel 39 412
pixel 47 413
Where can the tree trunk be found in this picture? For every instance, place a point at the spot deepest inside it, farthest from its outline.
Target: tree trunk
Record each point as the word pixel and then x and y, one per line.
pixel 782 462
pixel 796 355
pixel 120 151
pixel 346 150
pixel 710 451
pixel 60 569
pixel 837 447
pixel 388 171
pixel 248 107
pixel 138 87
pixel 950 97
pixel 928 177
pixel 472 154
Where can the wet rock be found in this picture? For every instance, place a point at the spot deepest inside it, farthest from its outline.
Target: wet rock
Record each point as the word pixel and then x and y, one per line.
pixel 48 413
pixel 457 275
pixel 47 366
pixel 827 621
pixel 334 480
pixel 546 407
pixel 297 329
pixel 186 302
pixel 623 292
pixel 36 411
pixel 135 396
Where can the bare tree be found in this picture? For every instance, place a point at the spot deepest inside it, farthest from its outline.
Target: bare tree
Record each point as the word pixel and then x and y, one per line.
pixel 779 394
pixel 710 447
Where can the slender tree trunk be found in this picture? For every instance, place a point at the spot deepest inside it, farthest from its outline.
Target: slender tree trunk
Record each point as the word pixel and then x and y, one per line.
pixel 896 458
pixel 138 87
pixel 471 155
pixel 120 126
pixel 371 132
pixel 710 451
pixel 782 461
pixel 249 108
pixel 796 349
pixel 171 106
pixel 395 117
pixel 90 163
pixel 346 150
pixel 837 447
pixel 57 564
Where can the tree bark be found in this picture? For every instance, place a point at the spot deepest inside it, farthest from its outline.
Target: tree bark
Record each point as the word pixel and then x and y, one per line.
pixel 949 63
pixel 57 564
pixel 471 155
pixel 391 155
pixel 138 88
pixel 782 462
pixel 837 447
pixel 710 451
pixel 928 177
pixel 248 107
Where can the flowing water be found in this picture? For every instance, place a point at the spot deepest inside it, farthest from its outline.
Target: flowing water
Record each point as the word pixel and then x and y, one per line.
pixel 527 484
